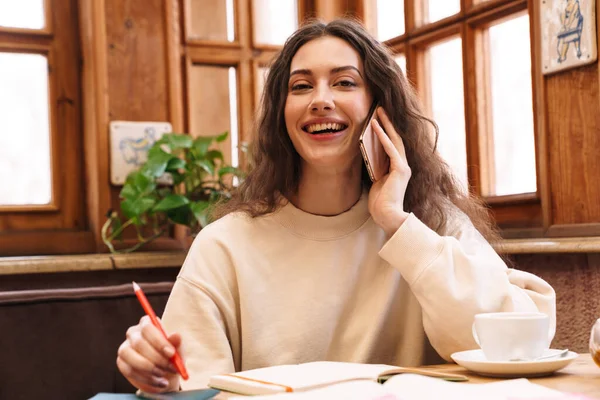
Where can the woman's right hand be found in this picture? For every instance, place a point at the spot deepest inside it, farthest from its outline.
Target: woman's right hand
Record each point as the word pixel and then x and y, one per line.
pixel 144 358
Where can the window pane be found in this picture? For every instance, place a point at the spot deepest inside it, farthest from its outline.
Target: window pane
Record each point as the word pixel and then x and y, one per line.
pixel 212 20
pixel 447 104
pixel 22 14
pixel 390 19
pixel 25 168
pixel 512 108
pixel 440 9
pixel 213 103
pixel 274 20
pixel 401 61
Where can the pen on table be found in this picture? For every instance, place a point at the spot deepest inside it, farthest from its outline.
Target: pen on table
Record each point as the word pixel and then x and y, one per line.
pixel 176 359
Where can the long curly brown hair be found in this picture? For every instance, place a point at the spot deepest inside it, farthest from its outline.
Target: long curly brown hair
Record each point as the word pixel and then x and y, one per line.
pixel 433 194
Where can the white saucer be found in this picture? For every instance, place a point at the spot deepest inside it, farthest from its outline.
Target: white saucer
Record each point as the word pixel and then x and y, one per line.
pixel 475 361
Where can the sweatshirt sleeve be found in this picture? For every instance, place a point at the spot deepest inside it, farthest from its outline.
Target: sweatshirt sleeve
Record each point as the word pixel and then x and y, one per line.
pixel 201 308
pixel 456 277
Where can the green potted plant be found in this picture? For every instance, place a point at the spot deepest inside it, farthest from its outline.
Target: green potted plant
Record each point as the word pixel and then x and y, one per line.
pixel 197 178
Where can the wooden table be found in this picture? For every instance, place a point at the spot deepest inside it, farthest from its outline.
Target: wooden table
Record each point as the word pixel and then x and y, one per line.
pixel 581 376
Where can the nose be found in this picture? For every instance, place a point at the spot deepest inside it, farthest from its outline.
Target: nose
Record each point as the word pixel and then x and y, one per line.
pixel 322 99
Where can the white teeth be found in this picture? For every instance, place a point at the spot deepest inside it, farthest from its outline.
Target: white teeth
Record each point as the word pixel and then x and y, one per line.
pixel 321 127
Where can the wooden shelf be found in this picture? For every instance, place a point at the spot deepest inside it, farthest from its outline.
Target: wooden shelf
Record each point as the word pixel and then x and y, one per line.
pixel 549 245
pixel 98 262
pixel 89 262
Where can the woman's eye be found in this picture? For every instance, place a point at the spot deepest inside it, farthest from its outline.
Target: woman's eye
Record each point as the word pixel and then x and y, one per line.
pixel 300 86
pixel 346 83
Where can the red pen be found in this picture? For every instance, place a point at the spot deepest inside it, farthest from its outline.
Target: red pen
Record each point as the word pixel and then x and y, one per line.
pixel 176 359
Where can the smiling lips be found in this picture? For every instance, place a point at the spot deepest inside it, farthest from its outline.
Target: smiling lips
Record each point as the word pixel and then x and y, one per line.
pixel 324 128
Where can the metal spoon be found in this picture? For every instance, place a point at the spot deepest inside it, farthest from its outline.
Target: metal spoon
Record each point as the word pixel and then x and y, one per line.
pixel 560 354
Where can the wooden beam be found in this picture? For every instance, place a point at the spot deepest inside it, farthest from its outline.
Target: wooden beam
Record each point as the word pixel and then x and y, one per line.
pixel 95 115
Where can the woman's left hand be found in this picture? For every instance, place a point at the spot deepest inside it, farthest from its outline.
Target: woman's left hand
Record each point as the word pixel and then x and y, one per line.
pixel 386 198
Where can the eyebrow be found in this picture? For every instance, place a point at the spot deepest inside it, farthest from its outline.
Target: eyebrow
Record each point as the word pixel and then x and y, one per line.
pixel 333 70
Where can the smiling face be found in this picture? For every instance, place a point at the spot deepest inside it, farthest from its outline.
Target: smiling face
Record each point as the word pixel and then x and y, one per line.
pixel 327 103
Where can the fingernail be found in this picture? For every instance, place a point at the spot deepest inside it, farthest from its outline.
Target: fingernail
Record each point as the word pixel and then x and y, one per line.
pixel 169 351
pixel 163 383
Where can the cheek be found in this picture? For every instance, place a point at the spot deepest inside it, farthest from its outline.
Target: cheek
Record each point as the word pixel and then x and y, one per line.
pixel 360 113
pixel 287 114
pixel 288 109
pixel 292 113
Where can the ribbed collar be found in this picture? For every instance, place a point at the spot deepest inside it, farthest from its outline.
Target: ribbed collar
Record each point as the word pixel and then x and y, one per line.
pixel 319 227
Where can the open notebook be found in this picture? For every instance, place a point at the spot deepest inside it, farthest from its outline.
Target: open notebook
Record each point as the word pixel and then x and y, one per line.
pixel 308 376
pixel 416 387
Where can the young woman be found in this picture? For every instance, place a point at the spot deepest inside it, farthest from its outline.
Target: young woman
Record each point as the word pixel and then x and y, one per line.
pixel 310 261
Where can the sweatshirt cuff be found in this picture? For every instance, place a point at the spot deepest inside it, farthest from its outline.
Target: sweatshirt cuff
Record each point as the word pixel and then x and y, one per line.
pixel 412 248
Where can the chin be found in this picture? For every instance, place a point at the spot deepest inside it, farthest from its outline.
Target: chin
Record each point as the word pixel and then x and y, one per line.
pixel 330 162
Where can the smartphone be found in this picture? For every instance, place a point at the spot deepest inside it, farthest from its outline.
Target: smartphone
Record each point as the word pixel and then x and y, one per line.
pixel 374 155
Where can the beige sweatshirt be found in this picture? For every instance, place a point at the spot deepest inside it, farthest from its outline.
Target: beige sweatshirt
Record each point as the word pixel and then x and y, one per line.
pixel 293 287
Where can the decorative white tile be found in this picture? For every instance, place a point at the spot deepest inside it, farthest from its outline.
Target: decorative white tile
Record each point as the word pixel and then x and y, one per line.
pixel 129 145
pixel 568 34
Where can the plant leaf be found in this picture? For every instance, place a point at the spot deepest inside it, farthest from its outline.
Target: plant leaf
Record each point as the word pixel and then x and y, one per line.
pixel 214 155
pixel 178 141
pixel 143 184
pixel 156 164
pixel 228 170
pixel 201 144
pixel 175 164
pixel 135 208
pixel 181 215
pixel 200 211
pixel 129 191
pixel 206 165
pixel 222 137
pixel 157 154
pixel 171 202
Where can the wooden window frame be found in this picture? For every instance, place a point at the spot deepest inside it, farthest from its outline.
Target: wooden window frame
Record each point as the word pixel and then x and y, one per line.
pixel 519 215
pixel 60 226
pixel 243 53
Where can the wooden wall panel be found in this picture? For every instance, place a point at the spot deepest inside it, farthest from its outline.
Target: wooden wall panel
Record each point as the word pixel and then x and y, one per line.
pixel 95 114
pixel 137 84
pixel 208 20
pixel 574 145
pixel 137 65
pixel 328 10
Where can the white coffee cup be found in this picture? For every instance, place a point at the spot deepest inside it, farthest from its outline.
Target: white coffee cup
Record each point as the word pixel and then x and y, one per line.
pixel 507 336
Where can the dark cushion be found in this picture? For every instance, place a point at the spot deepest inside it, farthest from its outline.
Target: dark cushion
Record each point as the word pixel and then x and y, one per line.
pixel 62 343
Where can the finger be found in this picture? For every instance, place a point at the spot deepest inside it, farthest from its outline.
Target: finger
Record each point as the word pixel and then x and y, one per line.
pixel 140 379
pixel 154 336
pixel 396 160
pixel 175 339
pixel 391 131
pixel 141 345
pixel 135 360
